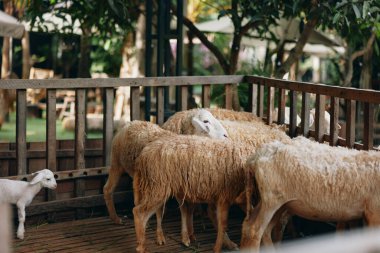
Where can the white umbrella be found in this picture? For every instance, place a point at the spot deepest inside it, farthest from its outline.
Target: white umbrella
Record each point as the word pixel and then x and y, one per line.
pixel 10 27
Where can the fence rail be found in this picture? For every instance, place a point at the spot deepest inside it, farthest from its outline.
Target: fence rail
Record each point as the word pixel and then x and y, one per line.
pixel 264 95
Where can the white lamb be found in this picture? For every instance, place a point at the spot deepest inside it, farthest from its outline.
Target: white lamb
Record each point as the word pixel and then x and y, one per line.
pixel 22 193
pixel 314 181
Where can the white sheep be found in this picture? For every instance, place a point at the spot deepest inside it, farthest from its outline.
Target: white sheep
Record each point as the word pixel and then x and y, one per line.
pixel 192 169
pixel 21 193
pixel 129 141
pixel 312 180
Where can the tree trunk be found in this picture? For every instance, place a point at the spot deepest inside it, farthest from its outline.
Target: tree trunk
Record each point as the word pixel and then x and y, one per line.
pixel 25 56
pixel 84 59
pixel 5 66
pixel 366 73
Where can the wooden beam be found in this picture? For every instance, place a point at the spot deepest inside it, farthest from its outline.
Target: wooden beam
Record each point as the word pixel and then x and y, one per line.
pixel 108 124
pixel 305 114
pixel 228 96
pixel 320 117
pixel 206 94
pixel 51 141
pixel 184 95
pixel 160 106
pixel 368 126
pixel 293 113
pixel 281 106
pixel 260 104
pixel 270 105
pixel 135 103
pixel 334 121
pixel 21 132
pixel 253 93
pixel 350 122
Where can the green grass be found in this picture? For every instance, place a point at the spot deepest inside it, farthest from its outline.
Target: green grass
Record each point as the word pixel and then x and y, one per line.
pixel 36 130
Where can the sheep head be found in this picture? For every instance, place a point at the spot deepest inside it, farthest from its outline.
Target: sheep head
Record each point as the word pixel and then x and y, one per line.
pixel 45 177
pixel 206 124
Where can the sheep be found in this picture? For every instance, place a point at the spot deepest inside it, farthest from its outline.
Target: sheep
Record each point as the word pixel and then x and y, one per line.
pixel 326 122
pixel 129 141
pixel 192 169
pixel 312 180
pixel 22 193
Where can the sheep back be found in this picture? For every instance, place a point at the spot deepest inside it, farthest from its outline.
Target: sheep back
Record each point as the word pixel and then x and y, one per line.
pixel 191 168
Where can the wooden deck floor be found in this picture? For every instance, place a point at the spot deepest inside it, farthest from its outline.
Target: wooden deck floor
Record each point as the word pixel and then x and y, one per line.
pixel 101 235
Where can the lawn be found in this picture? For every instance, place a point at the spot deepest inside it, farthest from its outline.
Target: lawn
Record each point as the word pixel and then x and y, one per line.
pixel 36 130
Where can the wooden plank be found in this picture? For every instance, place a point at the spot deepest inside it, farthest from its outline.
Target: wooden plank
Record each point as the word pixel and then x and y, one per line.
pixel 305 114
pixel 319 117
pixel 61 153
pixel 350 122
pixel 21 147
pixel 260 104
pixel 334 121
pixel 160 107
pixel 51 141
pixel 368 126
pixel 228 96
pixel 74 203
pixel 80 139
pixel 253 93
pixel 74 83
pixel 135 103
pixel 206 95
pixel 5 228
pixel 80 129
pixel 107 125
pixel 363 95
pixel 281 106
pixel 270 105
pixel 293 113
pixel 184 96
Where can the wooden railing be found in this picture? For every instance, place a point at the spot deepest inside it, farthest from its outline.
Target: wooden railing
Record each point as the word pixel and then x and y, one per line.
pixel 275 93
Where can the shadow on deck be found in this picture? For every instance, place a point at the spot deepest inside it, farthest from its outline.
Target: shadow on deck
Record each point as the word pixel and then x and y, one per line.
pixel 101 235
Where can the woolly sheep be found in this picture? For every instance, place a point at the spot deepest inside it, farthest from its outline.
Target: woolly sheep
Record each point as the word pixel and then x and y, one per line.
pixel 129 141
pixel 314 181
pixel 193 169
pixel 22 193
pixel 242 127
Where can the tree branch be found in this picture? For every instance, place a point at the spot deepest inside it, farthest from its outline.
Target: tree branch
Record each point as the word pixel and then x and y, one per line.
pixel 354 56
pixel 202 37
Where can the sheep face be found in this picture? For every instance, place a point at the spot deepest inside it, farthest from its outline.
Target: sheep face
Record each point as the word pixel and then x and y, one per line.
pixel 206 124
pixel 44 177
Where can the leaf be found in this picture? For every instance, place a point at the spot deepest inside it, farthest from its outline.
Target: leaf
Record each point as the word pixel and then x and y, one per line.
pixel 347 22
pixel 340 4
pixel 356 10
pixel 365 8
pixel 336 18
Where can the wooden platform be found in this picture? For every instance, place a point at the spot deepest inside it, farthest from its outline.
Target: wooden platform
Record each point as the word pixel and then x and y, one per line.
pixel 101 235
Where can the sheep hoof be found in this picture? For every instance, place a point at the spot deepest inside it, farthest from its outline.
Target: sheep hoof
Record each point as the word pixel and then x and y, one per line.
pixel 231 246
pixel 186 242
pixel 193 238
pixel 20 236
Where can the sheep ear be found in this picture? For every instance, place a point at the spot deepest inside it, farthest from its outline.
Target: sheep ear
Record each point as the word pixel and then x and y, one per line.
pixel 37 178
pixel 200 125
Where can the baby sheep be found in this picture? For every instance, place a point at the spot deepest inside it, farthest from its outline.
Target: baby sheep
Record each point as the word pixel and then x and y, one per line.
pixel 22 193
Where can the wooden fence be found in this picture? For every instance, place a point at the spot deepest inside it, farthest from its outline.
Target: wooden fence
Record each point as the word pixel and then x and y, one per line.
pixel 81 185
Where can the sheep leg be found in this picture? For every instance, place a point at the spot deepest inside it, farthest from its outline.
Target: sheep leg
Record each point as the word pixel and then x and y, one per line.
pixel 190 223
pixel 277 225
pixel 185 215
pixel 254 226
pixel 222 217
pixel 160 237
pixel 141 215
pixel 372 217
pixel 108 189
pixel 21 220
pixel 226 239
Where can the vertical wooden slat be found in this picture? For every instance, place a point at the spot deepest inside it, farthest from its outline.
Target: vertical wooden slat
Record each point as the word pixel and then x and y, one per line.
pixel 270 105
pixel 253 98
pixel 107 124
pixel 51 139
pixel 350 122
pixel 80 138
pixel 368 126
pixel 305 114
pixel 21 132
pixel 260 104
pixel 160 105
pixel 184 95
pixel 5 228
pixel 334 118
pixel 135 103
pixel 293 113
pixel 228 96
pixel 281 106
pixel 319 117
pixel 206 94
